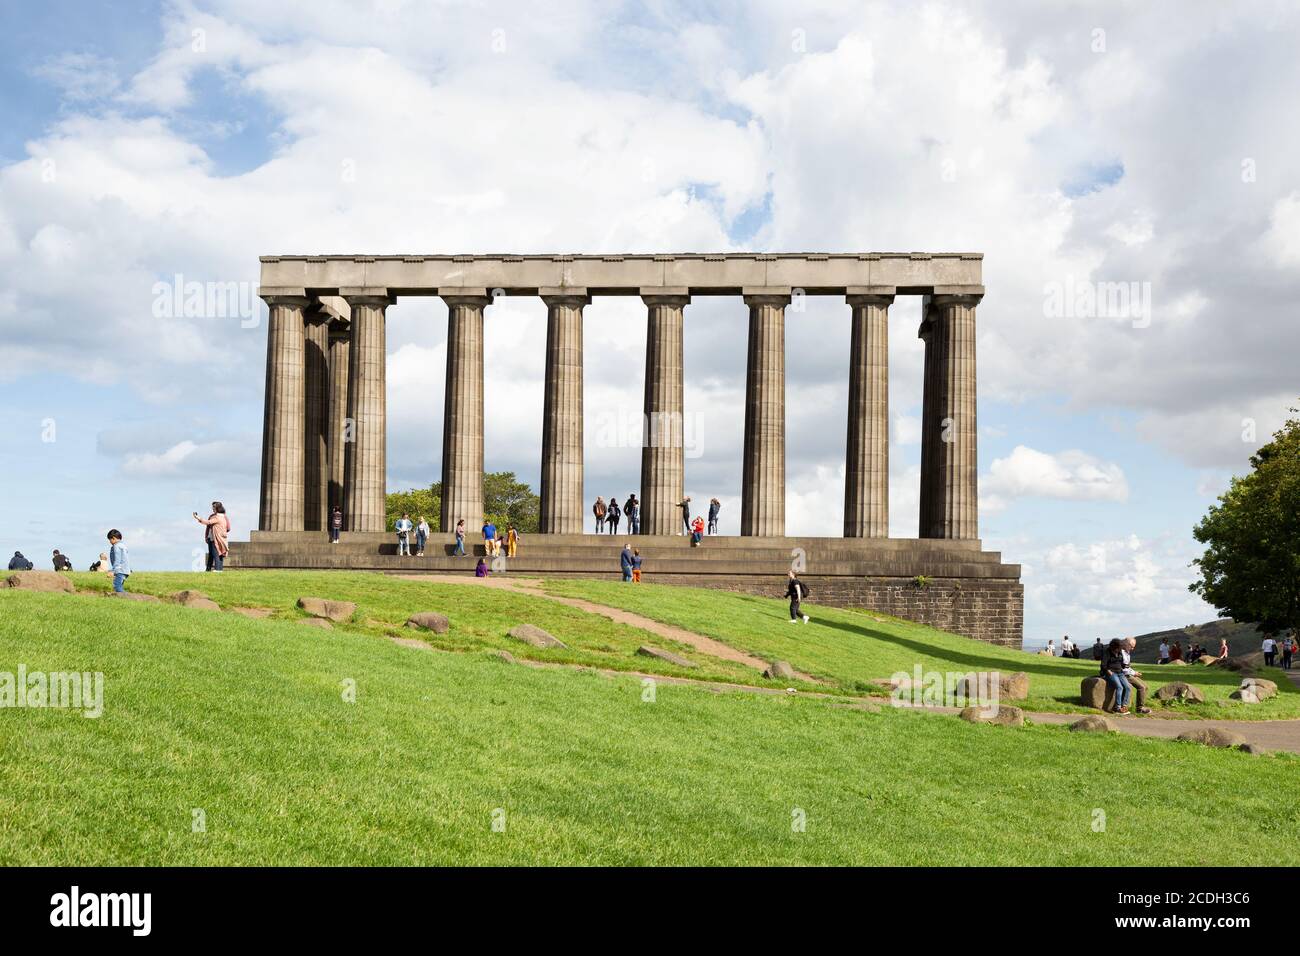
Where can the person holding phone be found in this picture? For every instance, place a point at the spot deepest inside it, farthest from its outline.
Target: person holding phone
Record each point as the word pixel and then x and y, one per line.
pixel 216 533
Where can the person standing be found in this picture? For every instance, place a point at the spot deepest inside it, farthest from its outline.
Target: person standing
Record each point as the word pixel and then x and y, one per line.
pixel 1288 651
pixel 685 505
pixel 1067 646
pixel 118 561
pixel 625 562
pixel 421 536
pixel 403 528
pixel 632 512
pixel 1223 648
pixel 489 537
pixel 612 514
pixel 1163 657
pixel 460 537
pixel 1269 648
pixel 636 566
pixel 1098 652
pixel 714 507
pixel 512 541
pixel 216 528
pixel 796 591
pixel 598 509
pixel 1135 677
pixel 336 524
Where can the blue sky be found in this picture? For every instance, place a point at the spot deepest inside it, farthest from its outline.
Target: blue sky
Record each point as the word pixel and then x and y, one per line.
pixel 143 141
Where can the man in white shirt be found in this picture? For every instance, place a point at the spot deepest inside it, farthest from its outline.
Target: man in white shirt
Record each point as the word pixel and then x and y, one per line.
pixel 1135 677
pixel 1164 651
pixel 1067 646
pixel 1270 649
pixel 403 527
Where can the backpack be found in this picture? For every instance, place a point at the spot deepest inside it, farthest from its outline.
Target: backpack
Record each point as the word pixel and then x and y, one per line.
pixel 804 590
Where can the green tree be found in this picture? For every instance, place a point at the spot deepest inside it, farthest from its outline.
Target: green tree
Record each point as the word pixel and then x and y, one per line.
pixel 506 500
pixel 1251 567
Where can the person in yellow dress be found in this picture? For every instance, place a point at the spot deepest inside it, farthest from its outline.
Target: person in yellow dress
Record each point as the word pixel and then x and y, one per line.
pixel 512 541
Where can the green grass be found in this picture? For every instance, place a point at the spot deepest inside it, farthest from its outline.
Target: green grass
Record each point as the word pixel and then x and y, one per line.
pixel 850 649
pixel 246 721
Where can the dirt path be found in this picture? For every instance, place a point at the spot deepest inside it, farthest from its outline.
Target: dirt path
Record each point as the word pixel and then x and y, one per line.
pixel 533 588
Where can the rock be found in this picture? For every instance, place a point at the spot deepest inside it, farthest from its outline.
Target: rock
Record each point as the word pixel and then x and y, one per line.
pixel 646 650
pixel 196 599
pixel 136 596
pixel 1264 687
pixel 429 621
pixel 318 622
pixel 1179 663
pixel 1180 690
pixel 1206 659
pixel 1093 723
pixel 1097 693
pixel 39 581
pixel 1254 749
pixel 257 613
pixel 505 656
pixel 1010 686
pixel 1235 664
pixel 1213 737
pixel 410 642
pixel 779 670
pixel 1248 695
pixel 323 607
pixel 1045 653
pixel 534 635
pixel 1005 716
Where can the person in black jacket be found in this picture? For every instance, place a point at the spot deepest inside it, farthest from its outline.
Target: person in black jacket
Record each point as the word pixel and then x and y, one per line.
pixel 61 562
pixel 796 591
pixel 19 563
pixel 612 514
pixel 1098 652
pixel 1112 668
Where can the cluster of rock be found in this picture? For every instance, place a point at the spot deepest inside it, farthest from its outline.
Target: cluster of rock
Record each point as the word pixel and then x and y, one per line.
pixel 1254 690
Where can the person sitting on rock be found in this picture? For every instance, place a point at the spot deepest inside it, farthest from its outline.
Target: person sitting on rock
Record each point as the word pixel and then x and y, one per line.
pixel 1133 677
pixel 19 563
pixel 1112 669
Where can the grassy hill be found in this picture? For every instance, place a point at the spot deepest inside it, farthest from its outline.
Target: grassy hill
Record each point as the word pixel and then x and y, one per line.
pixel 247 722
pixel 1243 639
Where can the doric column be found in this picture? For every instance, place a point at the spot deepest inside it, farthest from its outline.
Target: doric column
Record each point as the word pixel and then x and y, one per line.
pixel 282 423
pixel 950 478
pixel 866 457
pixel 338 433
pixel 762 508
pixel 462 423
pixel 364 456
pixel 561 497
pixel 316 417
pixel 662 475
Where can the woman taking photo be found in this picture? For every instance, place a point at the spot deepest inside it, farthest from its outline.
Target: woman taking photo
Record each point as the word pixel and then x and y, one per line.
pixel 215 533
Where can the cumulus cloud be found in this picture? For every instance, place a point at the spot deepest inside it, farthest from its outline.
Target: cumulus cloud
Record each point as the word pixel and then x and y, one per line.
pixel 1070 475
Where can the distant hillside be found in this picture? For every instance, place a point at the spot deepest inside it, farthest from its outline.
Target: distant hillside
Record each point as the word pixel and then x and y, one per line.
pixel 1242 639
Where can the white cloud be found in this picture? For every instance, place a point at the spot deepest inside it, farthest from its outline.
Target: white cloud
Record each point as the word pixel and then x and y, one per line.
pixel 1068 476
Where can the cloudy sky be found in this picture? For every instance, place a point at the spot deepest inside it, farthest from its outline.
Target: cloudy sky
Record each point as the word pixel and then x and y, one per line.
pixel 1078 146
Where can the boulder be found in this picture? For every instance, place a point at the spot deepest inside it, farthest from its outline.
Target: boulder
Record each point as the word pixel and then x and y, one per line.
pixel 429 621
pixel 1005 716
pixel 779 670
pixel 1235 664
pixel 1213 737
pixel 325 608
pixel 256 613
pixel 1097 693
pixel 136 596
pixel 1264 687
pixel 1179 663
pixel 1249 695
pixel 1206 659
pixel 1180 690
pixel 534 635
pixel 1093 723
pixel 506 656
pixel 196 599
pixel 318 622
pixel 645 650
pixel 1254 749
pixel 410 642
pixel 39 581
pixel 1010 686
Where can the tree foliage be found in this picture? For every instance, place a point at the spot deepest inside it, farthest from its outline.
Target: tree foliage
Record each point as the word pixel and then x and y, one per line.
pixel 506 501
pixel 1251 567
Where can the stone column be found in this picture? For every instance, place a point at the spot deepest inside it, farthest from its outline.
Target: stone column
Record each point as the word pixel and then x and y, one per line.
pixel 950 477
pixel 866 457
pixel 316 417
pixel 364 457
pixel 662 461
pixel 337 431
pixel 282 423
pixel 762 508
pixel 462 428
pixel 561 497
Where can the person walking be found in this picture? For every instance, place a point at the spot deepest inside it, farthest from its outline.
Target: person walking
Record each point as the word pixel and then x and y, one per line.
pixel 118 561
pixel 403 528
pixel 714 507
pixel 598 509
pixel 1288 651
pixel 336 524
pixel 460 538
pixel 421 536
pixel 612 514
pixel 685 505
pixel 216 529
pixel 625 562
pixel 636 566
pixel 1269 648
pixel 632 512
pixel 1112 669
pixel 796 591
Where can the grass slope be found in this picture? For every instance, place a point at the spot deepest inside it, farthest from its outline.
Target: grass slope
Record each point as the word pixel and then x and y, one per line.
pixel 851 648
pixel 246 721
